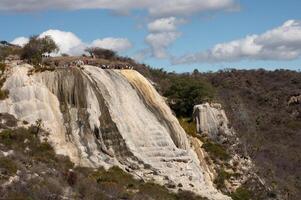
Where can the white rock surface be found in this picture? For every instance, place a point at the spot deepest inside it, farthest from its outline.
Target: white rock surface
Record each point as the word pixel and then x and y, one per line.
pixel 107 117
pixel 212 121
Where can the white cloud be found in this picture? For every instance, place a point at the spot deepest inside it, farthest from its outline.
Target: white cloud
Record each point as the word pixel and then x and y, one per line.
pixel 115 44
pixel 189 7
pixel 69 43
pixel 21 41
pixel 154 7
pixel 163 32
pixel 165 24
pixel 281 43
pixel 159 42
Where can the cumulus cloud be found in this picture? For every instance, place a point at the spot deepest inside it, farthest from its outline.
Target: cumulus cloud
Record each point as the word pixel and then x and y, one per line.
pixel 165 24
pixel 154 7
pixel 67 42
pixel 163 32
pixel 21 41
pixel 281 43
pixel 115 44
pixel 70 44
pixel 189 7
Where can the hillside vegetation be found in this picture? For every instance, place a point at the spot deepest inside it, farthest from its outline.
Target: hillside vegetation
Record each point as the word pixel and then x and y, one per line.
pixel 257 103
pixel 30 170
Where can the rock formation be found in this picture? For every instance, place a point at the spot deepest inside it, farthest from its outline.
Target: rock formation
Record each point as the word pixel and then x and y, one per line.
pixel 295 100
pixel 108 117
pixel 212 123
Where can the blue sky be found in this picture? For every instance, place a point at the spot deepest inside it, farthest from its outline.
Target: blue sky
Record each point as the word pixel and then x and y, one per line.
pixel 194 33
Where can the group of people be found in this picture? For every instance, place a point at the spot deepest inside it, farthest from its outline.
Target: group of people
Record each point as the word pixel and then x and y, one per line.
pixel 116 67
pixel 79 63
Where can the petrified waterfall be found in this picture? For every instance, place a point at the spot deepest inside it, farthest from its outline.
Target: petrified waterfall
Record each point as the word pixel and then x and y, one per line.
pixel 108 117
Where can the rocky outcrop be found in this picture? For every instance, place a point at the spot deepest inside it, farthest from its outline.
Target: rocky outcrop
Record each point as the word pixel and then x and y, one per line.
pixel 294 100
pixel 108 117
pixel 212 123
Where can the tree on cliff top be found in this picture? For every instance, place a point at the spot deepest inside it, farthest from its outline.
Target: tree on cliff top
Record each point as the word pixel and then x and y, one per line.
pixel 101 53
pixel 34 50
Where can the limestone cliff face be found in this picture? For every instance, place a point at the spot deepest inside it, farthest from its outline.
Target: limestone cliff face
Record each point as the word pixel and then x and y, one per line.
pixel 108 117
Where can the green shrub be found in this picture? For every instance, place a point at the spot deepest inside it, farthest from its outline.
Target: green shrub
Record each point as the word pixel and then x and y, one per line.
pixel 187 195
pixel 216 151
pixel 7 167
pixel 189 126
pixel 294 125
pixel 44 153
pixel 3 94
pixel 116 175
pixel 101 53
pixel 241 194
pixel 6 137
pixel 155 191
pixel 2 67
pixel 221 178
pixel 14 139
pixel 16 195
pixel 5 51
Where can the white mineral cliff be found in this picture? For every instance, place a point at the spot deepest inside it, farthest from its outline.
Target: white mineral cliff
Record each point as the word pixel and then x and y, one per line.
pixel 108 117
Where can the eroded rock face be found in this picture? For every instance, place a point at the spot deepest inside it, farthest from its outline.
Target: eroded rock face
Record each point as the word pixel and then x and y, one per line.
pixel 294 100
pixel 107 117
pixel 212 122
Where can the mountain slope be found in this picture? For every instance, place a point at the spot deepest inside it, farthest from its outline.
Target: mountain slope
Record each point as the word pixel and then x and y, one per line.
pixel 257 103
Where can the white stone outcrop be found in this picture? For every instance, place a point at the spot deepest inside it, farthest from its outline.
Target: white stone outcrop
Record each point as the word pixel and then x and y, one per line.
pixel 212 121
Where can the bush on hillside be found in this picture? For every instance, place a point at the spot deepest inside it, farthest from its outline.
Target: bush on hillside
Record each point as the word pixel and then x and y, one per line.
pixel 3 93
pixel 241 194
pixel 101 53
pixel 186 92
pixel 5 51
pixel 222 176
pixel 216 151
pixel 2 67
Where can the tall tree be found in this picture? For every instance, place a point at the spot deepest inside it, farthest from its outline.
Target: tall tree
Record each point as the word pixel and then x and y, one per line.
pixel 34 50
